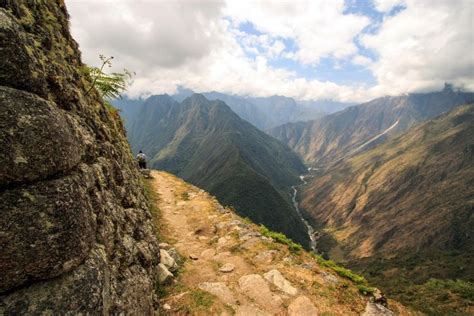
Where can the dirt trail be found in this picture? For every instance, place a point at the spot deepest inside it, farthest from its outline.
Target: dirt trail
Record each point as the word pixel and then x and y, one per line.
pixel 231 269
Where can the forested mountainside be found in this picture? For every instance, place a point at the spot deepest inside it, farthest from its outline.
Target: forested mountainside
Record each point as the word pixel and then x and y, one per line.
pixel 402 212
pixel 207 144
pixel 76 234
pixel 337 136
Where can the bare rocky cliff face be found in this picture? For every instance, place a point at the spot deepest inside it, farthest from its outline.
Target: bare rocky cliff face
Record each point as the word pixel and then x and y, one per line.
pixel 76 234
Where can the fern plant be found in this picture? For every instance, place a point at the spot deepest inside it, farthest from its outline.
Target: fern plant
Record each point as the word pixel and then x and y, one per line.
pixel 110 86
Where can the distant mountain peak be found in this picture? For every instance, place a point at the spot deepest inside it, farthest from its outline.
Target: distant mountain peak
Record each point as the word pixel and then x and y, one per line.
pixel 196 98
pixel 337 136
pixel 162 97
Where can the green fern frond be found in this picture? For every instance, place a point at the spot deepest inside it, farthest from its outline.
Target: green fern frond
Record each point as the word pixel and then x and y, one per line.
pixel 110 86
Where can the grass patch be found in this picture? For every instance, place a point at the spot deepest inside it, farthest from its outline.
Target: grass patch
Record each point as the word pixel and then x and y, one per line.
pixel 280 238
pixel 152 197
pixel 361 283
pixel 462 288
pixel 436 283
pixel 212 241
pixel 365 289
pixel 235 249
pixel 201 299
pixel 247 220
pixel 185 196
pixel 441 297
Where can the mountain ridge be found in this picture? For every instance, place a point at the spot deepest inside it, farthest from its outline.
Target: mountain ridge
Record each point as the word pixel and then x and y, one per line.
pixel 324 141
pixel 209 145
pixel 262 112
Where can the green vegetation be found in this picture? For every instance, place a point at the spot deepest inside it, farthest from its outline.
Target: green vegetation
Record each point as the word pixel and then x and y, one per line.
pixel 152 197
pixel 344 272
pixel 359 280
pixel 280 238
pixel 185 196
pixel 110 86
pixel 462 288
pixel 440 297
pixel 201 299
pixel 436 283
pixel 244 219
pixel 365 289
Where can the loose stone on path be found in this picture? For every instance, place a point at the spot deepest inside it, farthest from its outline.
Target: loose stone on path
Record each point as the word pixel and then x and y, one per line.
pixel 274 276
pixel 220 290
pixel 302 306
pixel 226 268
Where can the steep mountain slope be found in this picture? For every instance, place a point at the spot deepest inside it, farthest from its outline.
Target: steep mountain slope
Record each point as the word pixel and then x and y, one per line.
pixel 243 269
pixel 327 106
pixel 327 140
pixel 280 109
pixel 263 112
pixel 128 108
pixel 409 201
pixel 207 144
pixel 76 235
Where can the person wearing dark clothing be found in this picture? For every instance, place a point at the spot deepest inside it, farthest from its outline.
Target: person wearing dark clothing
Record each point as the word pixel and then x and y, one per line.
pixel 141 158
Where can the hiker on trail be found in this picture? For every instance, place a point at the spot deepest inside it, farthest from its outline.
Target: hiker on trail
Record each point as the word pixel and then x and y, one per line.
pixel 141 158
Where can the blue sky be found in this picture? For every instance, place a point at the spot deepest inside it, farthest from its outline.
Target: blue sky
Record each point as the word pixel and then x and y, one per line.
pixel 342 50
pixel 331 69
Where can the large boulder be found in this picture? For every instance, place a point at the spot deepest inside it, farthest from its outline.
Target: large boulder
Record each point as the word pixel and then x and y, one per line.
pixel 37 139
pixel 168 261
pixel 43 237
pixel 255 287
pixel 220 290
pixel 274 277
pixel 302 306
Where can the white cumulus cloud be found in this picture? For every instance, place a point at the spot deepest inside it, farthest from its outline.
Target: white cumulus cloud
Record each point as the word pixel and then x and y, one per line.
pixel 319 28
pixel 423 46
pixel 200 45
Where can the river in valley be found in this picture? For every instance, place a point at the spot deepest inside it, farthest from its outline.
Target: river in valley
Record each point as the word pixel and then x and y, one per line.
pixel 311 232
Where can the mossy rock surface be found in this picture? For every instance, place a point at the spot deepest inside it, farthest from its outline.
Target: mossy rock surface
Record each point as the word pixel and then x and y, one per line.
pixel 76 234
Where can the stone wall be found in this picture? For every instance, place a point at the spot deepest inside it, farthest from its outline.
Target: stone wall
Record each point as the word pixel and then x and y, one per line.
pixel 76 234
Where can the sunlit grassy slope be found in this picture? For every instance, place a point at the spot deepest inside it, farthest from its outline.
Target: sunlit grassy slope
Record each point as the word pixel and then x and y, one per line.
pixel 403 211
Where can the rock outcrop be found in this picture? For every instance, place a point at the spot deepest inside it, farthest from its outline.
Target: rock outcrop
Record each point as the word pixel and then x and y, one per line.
pixel 75 229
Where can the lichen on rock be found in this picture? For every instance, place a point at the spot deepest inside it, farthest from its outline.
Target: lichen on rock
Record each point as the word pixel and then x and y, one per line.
pixel 75 229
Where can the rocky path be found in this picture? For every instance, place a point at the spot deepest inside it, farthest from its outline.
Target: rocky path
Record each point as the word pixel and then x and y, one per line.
pixel 229 268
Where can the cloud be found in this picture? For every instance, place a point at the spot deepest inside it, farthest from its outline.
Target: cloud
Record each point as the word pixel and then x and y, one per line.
pixel 319 28
pixel 170 44
pixel 423 46
pixel 362 60
pixel 147 33
pixel 387 5
pixel 202 46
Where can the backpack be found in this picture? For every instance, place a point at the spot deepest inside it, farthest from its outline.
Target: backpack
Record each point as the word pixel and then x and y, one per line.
pixel 141 157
